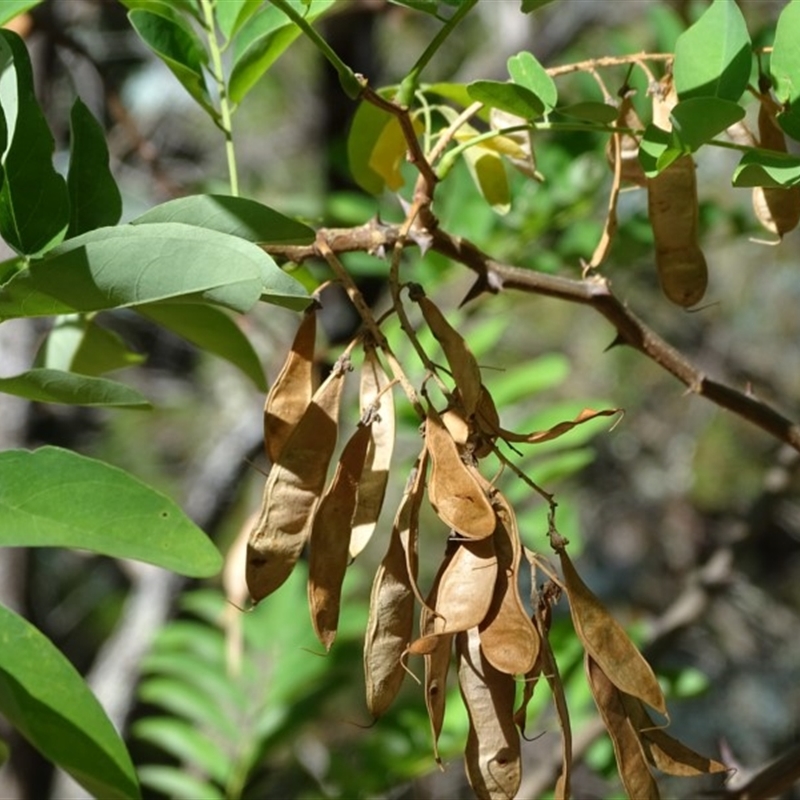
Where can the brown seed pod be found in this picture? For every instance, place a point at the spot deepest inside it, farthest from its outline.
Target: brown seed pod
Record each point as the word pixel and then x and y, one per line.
pixel 291 393
pixel 606 641
pixel 372 487
pixel 673 210
pixel 777 209
pixel 492 756
pixel 631 169
pixel 391 608
pixel 628 751
pixel 454 490
pixel 330 538
pixel 465 369
pixel 509 640
pixel 464 592
pixel 293 489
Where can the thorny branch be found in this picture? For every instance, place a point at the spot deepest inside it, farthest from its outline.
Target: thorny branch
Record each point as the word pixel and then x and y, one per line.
pixel 493 276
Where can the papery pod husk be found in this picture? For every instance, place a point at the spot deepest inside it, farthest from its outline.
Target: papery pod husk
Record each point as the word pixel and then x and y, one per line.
pixel 463 365
pixel 464 592
pixel 672 207
pixel 372 487
pixel 294 487
pixel 664 751
pixel 437 657
pixel 291 393
pixel 492 755
pixel 631 169
pixel 632 763
pixel 777 209
pixel 509 640
pixel 391 609
pixel 606 641
pixel 330 538
pixel 454 488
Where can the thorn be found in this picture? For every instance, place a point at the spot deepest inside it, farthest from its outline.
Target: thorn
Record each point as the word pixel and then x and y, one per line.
pixel 618 341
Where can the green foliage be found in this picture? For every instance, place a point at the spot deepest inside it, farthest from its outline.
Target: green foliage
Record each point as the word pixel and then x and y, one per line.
pixel 44 697
pixel 785 68
pixel 58 386
pixel 55 498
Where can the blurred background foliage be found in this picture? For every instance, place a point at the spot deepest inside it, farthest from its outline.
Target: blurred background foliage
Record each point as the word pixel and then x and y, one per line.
pixel 680 494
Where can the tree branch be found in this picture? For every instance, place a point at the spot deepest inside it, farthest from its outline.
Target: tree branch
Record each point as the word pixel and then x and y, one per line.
pixel 493 276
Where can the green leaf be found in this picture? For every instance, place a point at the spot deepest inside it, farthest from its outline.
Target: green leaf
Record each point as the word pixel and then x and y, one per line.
pixel 526 71
pixel 168 35
pixel 175 783
pixel 767 168
pixel 186 743
pixel 262 40
pixel 590 111
pixel 489 173
pixel 70 388
pixel 186 7
pixel 34 206
pixel 376 149
pixel 13 8
pixel 508 97
pixel 713 56
pixel 658 149
pixel 529 6
pixel 699 119
pixel 232 14
pixel 46 700
pixel 133 264
pixel 235 216
pixel 427 6
pixel 55 498
pixel 211 329
pixel 94 198
pixel 785 67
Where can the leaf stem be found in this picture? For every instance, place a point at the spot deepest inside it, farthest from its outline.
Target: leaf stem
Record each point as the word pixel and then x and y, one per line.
pixel 347 78
pixel 218 74
pixel 410 83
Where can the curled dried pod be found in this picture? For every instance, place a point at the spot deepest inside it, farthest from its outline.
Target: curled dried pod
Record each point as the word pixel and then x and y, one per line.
pixel 776 208
pixel 294 487
pixel 672 207
pixel 628 143
pixel 291 393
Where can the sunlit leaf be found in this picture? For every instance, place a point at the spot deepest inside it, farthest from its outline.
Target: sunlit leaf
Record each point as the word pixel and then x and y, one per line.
pixel 767 168
pixel 510 97
pixel 699 119
pixel 46 700
pixel 56 498
pixel 232 14
pixel 263 39
pixel 34 207
pixel 13 8
pixel 525 70
pixel 94 198
pixel 174 41
pixel 134 264
pixel 236 216
pixel 489 173
pixel 713 57
pixel 176 783
pixel 57 386
pixel 785 68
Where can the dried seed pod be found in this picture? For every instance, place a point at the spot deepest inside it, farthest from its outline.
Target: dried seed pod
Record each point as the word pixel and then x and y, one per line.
pixel 293 489
pixel 606 641
pixel 631 761
pixel 391 608
pixel 465 369
pixel 454 490
pixel 777 209
pixel 492 756
pixel 372 487
pixel 630 169
pixel 291 393
pixel 509 640
pixel 662 750
pixel 330 538
pixel 464 592
pixel 673 210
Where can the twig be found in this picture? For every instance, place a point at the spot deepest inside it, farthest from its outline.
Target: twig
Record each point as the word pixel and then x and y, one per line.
pixel 595 291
